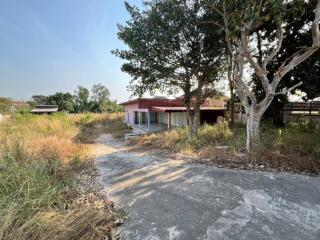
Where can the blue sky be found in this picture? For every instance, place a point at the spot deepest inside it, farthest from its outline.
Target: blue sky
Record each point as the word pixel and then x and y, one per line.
pixel 54 45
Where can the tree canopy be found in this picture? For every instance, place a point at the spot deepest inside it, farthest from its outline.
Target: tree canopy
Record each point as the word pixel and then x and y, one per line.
pixel 81 101
pixel 171 50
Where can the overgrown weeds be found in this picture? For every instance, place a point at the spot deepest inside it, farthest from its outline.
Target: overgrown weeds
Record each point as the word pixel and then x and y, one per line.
pixel 293 148
pixel 39 165
pixel 92 125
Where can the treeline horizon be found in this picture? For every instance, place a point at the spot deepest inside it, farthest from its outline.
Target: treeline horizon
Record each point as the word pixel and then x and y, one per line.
pixel 82 100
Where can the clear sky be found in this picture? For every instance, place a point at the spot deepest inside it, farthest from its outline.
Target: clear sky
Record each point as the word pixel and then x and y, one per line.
pixel 54 45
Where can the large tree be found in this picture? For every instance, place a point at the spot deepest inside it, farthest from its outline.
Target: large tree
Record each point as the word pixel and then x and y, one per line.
pixel 81 100
pixel 100 98
pixel 298 16
pixel 63 100
pixel 170 51
pixel 240 24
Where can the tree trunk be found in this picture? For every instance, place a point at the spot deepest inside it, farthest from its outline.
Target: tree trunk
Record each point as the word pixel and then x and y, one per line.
pixel 232 97
pixel 190 123
pixel 197 104
pixel 196 123
pixel 253 130
pixel 230 74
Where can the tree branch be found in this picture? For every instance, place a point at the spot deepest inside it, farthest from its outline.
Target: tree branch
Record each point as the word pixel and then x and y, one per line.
pixel 211 22
pixel 286 90
pixel 279 37
pixel 315 27
pixel 301 55
pixel 213 7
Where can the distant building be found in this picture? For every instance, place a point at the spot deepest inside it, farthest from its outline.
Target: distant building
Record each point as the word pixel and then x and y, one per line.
pixel 44 109
pixel 156 114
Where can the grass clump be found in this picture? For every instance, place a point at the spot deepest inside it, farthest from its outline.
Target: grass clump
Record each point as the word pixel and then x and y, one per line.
pixel 39 165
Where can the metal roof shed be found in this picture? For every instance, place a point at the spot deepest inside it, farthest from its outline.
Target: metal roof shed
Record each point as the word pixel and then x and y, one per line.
pixel 44 109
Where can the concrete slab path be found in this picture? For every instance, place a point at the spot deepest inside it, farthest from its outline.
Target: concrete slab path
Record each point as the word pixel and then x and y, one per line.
pixel 169 199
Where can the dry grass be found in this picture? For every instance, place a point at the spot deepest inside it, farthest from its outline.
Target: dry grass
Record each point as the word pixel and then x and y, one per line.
pixel 40 161
pixel 293 148
pixel 93 125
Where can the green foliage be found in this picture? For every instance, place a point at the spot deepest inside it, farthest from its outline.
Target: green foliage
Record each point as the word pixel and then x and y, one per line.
pixel 213 135
pixel 63 100
pixel 100 93
pixel 4 105
pixel 30 184
pixel 81 101
pixel 302 137
pixel 170 48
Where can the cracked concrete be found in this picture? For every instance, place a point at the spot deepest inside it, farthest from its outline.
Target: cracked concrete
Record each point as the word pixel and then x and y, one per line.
pixel 168 199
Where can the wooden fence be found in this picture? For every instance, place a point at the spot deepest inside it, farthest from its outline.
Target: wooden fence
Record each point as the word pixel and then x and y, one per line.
pixel 302 108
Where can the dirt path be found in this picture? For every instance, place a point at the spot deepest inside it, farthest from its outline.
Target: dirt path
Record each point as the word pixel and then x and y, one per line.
pixel 168 199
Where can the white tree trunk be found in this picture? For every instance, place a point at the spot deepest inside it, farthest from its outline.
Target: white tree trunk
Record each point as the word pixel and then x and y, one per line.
pixel 253 130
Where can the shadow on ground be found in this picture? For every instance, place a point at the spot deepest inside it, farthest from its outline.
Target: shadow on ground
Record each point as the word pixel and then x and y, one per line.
pixel 169 199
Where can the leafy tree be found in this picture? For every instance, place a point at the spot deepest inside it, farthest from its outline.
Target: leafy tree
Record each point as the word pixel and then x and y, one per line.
pixel 240 24
pixel 113 106
pixel 63 100
pixel 100 98
pixel 298 16
pixel 81 100
pixel 100 93
pixel 170 51
pixel 39 100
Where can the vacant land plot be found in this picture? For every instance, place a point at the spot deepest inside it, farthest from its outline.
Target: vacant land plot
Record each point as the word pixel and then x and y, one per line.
pixel 42 163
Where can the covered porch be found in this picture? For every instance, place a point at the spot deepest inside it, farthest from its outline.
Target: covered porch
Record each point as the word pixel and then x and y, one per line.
pixel 153 121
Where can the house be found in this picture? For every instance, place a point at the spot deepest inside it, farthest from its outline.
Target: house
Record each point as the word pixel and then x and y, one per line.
pixel 44 109
pixel 156 114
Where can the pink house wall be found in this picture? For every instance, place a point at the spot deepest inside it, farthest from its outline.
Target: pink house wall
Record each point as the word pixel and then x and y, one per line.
pixel 129 111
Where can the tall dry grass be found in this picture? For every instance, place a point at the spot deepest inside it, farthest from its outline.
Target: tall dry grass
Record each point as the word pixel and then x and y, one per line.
pixel 40 160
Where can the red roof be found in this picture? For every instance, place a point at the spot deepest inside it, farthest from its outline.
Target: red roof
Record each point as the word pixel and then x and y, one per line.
pixel 182 109
pixel 148 103
pixel 165 104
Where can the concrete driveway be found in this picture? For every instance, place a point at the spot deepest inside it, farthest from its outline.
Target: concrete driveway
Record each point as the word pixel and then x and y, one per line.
pixel 169 199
